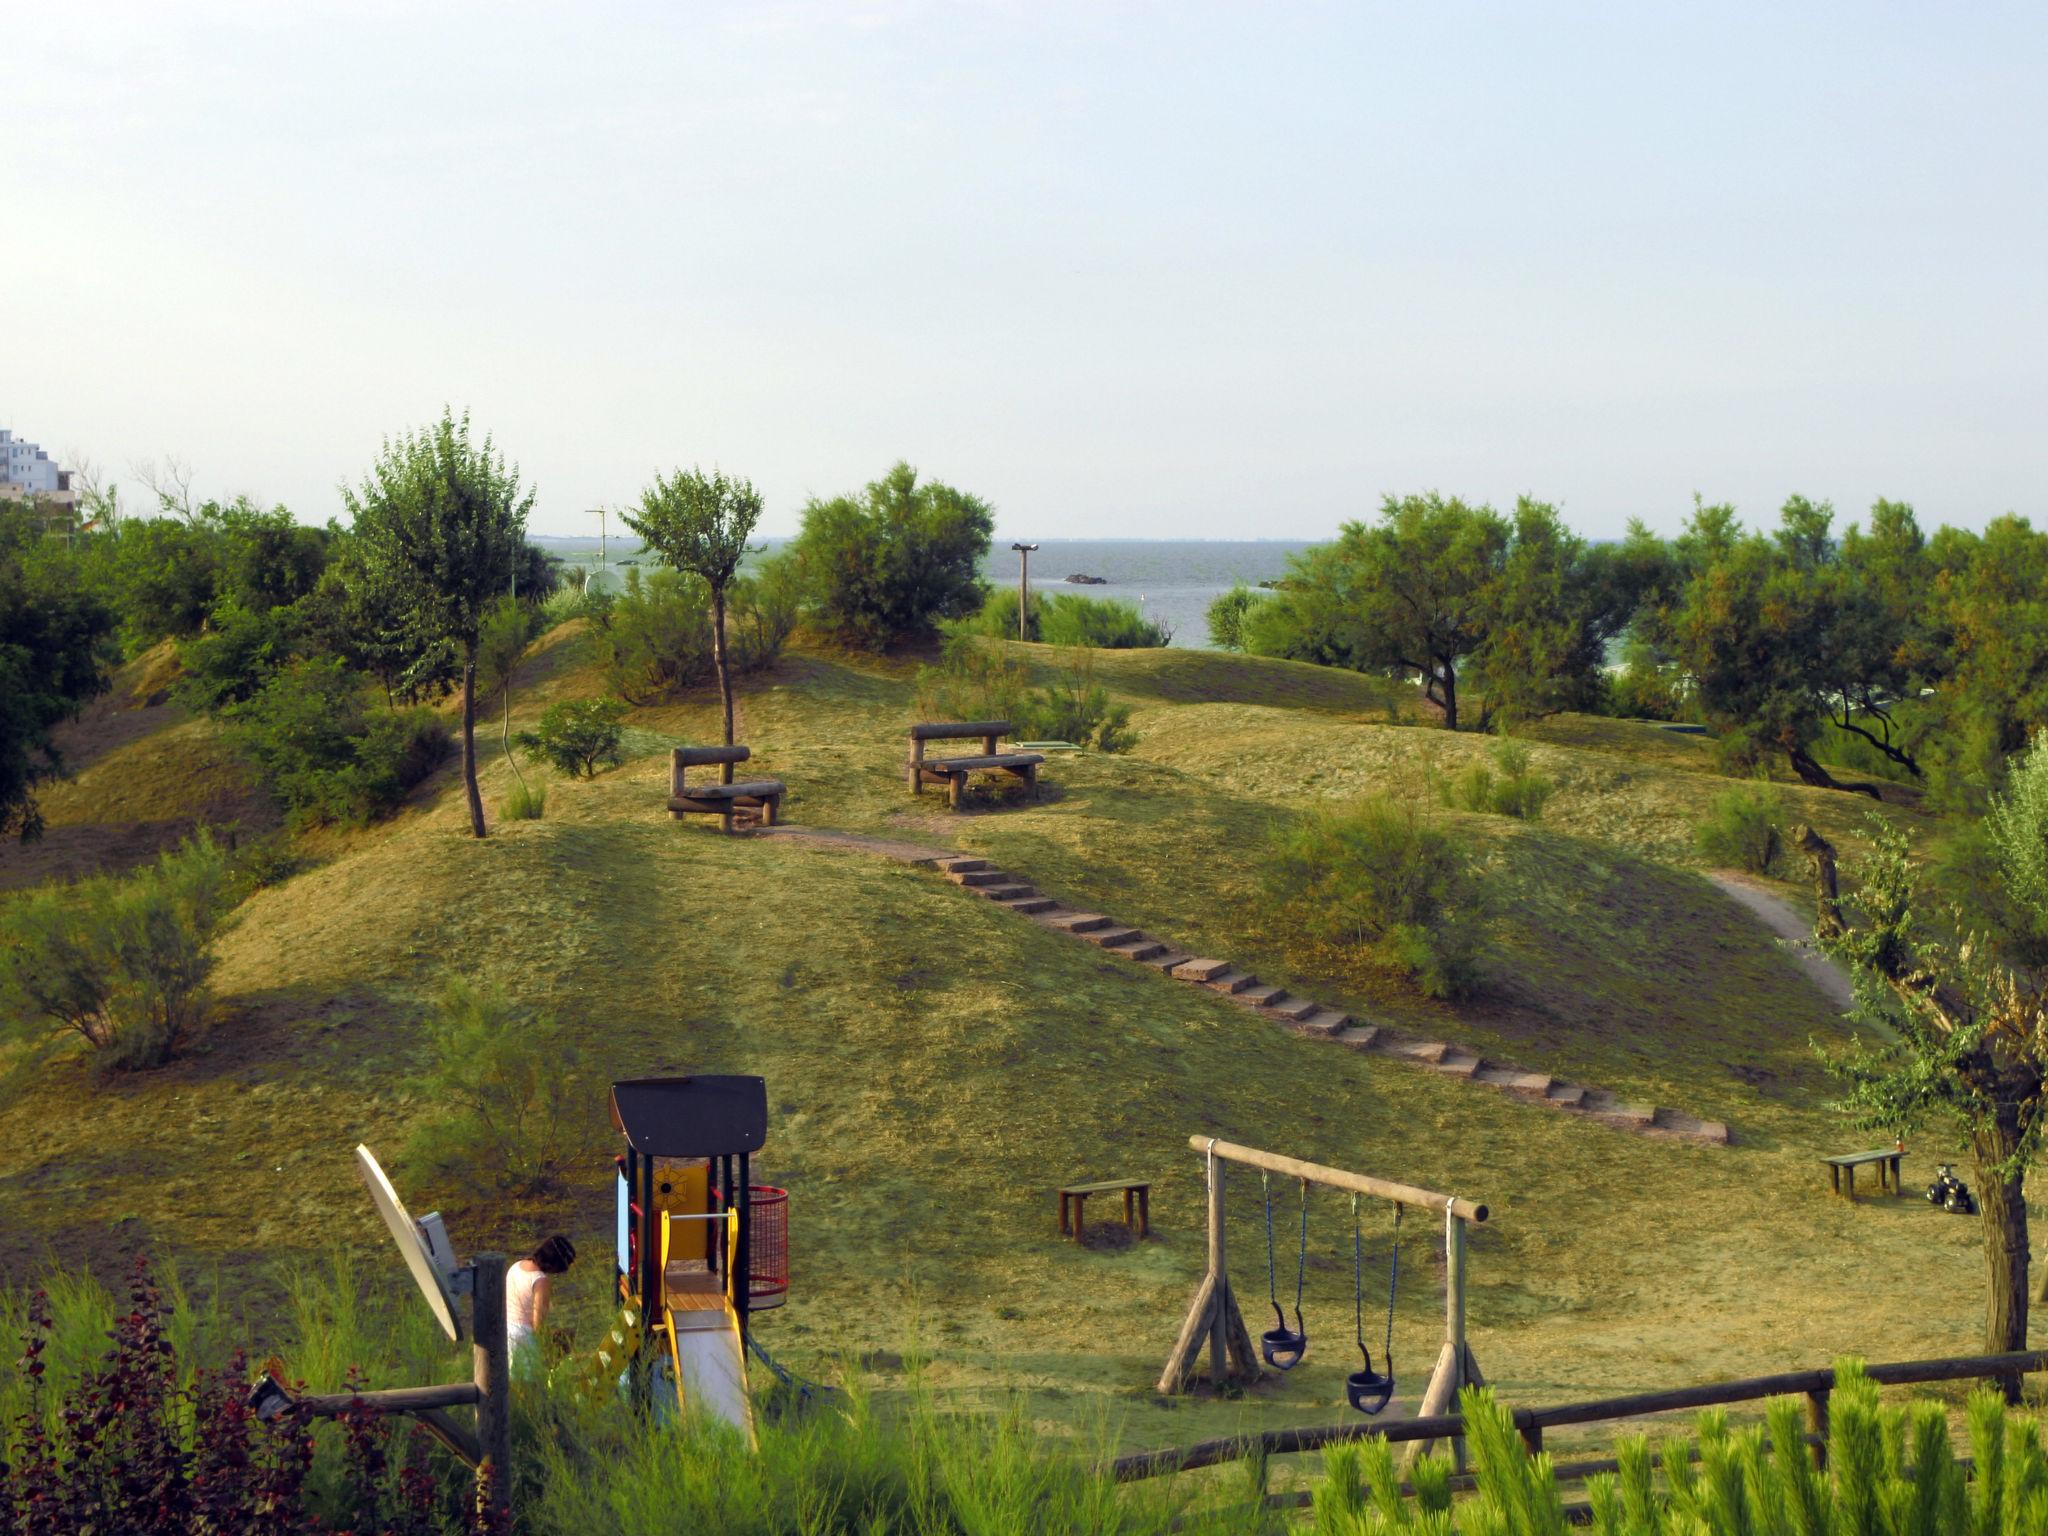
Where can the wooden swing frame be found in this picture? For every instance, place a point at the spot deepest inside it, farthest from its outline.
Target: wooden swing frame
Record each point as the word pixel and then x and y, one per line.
pixel 1213 1317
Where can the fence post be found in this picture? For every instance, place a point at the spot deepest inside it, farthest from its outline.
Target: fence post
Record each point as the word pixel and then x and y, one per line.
pixel 493 1376
pixel 1817 1423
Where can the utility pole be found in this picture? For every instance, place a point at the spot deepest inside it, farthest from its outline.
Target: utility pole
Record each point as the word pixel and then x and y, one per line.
pixel 1023 588
pixel 602 525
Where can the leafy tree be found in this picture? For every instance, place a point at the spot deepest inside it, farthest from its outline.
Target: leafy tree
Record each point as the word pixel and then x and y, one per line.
pixel 54 650
pixel 1988 626
pixel 890 564
pixel 326 752
pixel 1972 1043
pixel 578 735
pixel 700 523
pixel 1226 616
pixel 441 525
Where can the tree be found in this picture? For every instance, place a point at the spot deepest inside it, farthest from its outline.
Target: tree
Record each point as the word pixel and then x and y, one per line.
pixel 441 525
pixel 1972 1045
pixel 54 648
pixel 889 565
pixel 700 523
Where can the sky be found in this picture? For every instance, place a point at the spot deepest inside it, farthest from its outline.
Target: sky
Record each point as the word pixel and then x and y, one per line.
pixel 1124 270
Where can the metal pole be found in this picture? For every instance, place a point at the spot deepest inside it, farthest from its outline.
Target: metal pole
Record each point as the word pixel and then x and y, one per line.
pixel 1023 588
pixel 493 1375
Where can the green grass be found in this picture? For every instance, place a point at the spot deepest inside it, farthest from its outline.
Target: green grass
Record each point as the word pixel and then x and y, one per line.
pixel 937 1068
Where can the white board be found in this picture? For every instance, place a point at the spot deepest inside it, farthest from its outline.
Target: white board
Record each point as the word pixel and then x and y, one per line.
pixel 426 1273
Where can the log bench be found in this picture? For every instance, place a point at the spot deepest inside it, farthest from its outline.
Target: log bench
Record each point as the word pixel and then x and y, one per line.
pixel 1137 1204
pixel 953 771
pixel 762 797
pixel 1887 1170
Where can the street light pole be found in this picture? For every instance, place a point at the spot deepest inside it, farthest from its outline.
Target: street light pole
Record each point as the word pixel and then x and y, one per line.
pixel 1023 588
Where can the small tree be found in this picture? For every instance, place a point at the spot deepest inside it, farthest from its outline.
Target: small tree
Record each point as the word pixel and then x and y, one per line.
pixel 892 563
pixel 441 522
pixel 1972 1045
pixel 577 735
pixel 700 523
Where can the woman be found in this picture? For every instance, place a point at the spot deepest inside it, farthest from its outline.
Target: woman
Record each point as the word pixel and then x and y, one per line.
pixel 529 1288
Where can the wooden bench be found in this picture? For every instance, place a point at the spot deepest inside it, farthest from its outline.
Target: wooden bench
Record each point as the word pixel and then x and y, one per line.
pixel 1137 1204
pixel 1887 1170
pixel 761 797
pixel 953 771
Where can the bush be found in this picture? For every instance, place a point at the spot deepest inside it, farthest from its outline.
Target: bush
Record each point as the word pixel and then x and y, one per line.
pixel 657 640
pixel 1227 615
pixel 893 563
pixel 1382 882
pixel 980 682
pixel 524 802
pixel 1507 788
pixel 240 650
pixel 511 1086
pixel 326 752
pixel 1074 707
pixel 761 612
pixel 577 736
pixel 1741 829
pixel 121 961
pixel 1068 618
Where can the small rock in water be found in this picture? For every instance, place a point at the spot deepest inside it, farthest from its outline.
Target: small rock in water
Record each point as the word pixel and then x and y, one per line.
pixel 1089 581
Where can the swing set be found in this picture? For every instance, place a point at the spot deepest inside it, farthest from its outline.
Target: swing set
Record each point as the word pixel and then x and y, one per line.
pixel 1214 1316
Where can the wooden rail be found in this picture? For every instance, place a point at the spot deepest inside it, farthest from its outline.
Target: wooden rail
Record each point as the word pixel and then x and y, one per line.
pixel 1531 1422
pixel 1342 1178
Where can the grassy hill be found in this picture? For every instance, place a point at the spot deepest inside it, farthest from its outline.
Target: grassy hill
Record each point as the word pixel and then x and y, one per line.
pixel 936 1067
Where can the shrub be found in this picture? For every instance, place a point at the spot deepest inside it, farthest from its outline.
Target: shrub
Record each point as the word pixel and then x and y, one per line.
pixel 240 650
pixel 121 961
pixel 972 682
pixel 577 736
pixel 1741 829
pixel 524 802
pixel 1074 707
pixel 891 564
pixel 326 752
pixel 1382 882
pixel 1227 616
pixel 1068 618
pixel 658 638
pixel 761 612
pixel 515 1108
pixel 1507 788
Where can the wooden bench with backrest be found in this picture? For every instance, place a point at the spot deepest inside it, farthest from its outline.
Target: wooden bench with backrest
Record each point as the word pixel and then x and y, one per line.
pixel 757 799
pixel 1074 1198
pixel 1887 1170
pixel 953 771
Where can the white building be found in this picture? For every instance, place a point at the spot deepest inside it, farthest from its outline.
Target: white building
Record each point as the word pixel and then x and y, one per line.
pixel 26 470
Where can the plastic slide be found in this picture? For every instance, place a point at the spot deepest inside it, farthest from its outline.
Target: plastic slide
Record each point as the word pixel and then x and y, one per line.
pixel 710 1366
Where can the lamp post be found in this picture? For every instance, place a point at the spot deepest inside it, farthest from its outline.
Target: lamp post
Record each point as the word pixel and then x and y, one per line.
pixel 1023 588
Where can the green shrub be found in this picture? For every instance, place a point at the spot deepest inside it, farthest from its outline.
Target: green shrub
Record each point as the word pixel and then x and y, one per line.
pixel 1380 881
pixel 1741 829
pixel 761 612
pixel 524 802
pixel 578 736
pixel 1506 788
pixel 1227 614
pixel 1075 707
pixel 894 562
pixel 657 640
pixel 974 681
pixel 327 752
pixel 121 961
pixel 1067 618
pixel 240 650
pixel 513 1097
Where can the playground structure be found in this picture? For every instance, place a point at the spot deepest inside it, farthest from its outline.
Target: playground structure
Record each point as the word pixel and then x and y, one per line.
pixel 1214 1317
pixel 700 1247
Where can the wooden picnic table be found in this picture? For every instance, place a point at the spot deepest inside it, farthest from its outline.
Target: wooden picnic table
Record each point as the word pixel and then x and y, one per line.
pixel 1887 1161
pixel 1137 1204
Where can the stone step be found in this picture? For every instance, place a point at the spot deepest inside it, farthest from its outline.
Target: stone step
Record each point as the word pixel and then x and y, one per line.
pixel 1264 995
pixel 1515 1080
pixel 1458 1063
pixel 1028 905
pixel 975 877
pixel 962 865
pixel 1140 948
pixel 1327 1023
pixel 1570 1095
pixel 1298 1008
pixel 1168 960
pixel 1007 892
pixel 1111 935
pixel 1079 922
pixel 1360 1037
pixel 1201 970
pixel 1231 982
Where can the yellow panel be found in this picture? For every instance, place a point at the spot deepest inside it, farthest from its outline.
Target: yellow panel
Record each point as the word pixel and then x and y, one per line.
pixel 682 1187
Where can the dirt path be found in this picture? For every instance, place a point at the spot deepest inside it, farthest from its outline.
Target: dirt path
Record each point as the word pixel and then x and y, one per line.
pixel 1794 930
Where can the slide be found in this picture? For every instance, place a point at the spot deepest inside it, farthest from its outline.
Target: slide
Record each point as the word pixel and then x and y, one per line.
pixel 710 1367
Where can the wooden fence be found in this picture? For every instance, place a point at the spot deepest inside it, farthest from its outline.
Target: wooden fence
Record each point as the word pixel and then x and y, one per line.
pixel 1813 1385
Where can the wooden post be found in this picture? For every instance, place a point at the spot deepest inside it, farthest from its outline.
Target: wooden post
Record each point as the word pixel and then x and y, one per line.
pixel 917 765
pixel 1219 1348
pixel 492 1363
pixel 1454 1365
pixel 988 746
pixel 675 779
pixel 1817 1423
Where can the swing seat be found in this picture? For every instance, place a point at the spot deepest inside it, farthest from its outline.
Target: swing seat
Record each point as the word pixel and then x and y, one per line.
pixel 1283 1346
pixel 1369 1390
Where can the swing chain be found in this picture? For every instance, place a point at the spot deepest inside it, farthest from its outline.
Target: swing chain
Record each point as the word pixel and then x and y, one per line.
pixel 1393 1287
pixel 1272 1285
pixel 1358 1283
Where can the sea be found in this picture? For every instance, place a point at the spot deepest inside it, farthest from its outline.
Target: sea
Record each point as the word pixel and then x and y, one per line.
pixel 1172 581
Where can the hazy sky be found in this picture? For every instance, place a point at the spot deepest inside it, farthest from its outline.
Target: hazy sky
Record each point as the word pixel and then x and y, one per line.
pixel 1123 269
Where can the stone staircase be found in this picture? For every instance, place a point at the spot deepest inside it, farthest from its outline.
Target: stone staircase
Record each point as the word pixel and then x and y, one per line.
pixel 1306 1016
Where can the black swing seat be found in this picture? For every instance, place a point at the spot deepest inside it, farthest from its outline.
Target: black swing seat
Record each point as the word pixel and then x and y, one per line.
pixel 1283 1346
pixel 1369 1390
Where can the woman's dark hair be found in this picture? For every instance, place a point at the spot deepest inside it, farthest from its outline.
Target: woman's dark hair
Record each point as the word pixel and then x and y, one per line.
pixel 555 1255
